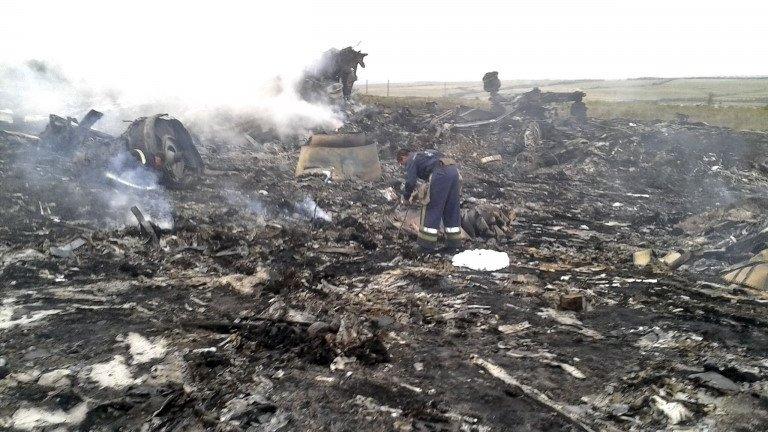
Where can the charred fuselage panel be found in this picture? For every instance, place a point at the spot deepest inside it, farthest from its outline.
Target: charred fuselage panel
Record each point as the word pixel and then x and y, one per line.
pixel 68 134
pixel 163 143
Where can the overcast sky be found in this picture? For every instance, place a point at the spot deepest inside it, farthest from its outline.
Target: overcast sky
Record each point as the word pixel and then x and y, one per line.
pixel 220 45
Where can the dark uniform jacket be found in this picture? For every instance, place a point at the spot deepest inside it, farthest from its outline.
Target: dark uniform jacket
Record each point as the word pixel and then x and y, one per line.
pixel 419 165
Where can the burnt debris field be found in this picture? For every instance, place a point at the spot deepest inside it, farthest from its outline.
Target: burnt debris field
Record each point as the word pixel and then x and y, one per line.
pixel 270 282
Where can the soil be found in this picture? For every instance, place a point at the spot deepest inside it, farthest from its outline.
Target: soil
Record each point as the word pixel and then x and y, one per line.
pixel 276 352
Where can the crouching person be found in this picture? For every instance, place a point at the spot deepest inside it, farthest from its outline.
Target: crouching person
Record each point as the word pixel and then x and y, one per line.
pixel 439 196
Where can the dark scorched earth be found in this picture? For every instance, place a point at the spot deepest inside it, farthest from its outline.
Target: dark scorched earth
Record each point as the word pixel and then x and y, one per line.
pixel 270 303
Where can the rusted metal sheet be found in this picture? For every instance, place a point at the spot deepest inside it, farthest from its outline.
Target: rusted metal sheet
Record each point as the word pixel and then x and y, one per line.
pixel 753 274
pixel 337 140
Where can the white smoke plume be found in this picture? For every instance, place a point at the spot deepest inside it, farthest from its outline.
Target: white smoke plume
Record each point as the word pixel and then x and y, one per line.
pixel 38 88
pixel 131 184
pixel 35 88
pixel 303 209
pixel 308 209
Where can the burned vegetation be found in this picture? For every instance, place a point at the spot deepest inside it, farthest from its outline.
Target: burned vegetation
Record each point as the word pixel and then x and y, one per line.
pixel 159 281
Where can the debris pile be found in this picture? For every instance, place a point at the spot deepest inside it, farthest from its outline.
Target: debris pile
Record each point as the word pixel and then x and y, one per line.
pixel 262 301
pixel 163 143
pixel 335 71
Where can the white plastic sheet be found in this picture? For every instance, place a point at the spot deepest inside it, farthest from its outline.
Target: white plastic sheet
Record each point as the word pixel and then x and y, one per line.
pixel 481 259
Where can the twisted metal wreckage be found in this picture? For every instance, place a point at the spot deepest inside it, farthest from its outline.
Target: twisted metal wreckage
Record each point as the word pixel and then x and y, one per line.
pixel 160 142
pixel 250 312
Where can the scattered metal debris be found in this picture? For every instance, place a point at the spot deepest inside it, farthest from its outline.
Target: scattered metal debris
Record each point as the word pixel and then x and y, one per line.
pixel 235 315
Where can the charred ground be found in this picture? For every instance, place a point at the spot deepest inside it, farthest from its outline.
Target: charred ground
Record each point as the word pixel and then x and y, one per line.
pixel 250 315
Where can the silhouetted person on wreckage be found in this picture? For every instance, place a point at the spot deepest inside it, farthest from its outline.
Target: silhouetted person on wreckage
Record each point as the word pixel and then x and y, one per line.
pixel 439 196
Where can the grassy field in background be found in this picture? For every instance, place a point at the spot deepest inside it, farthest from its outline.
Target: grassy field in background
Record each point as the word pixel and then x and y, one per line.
pixel 736 117
pixel 739 103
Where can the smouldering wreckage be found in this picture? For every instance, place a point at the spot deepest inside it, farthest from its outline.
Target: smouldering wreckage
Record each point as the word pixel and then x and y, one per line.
pixel 335 71
pixel 159 142
pixel 249 312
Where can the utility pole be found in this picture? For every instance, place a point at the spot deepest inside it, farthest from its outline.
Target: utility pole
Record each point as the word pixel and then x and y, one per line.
pixel 387 88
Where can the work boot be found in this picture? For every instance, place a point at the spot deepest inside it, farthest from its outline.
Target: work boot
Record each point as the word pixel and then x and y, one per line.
pixel 453 240
pixel 427 239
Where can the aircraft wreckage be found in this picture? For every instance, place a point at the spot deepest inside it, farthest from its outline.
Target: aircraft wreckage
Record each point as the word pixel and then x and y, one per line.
pixel 334 72
pixel 159 142
pixel 631 295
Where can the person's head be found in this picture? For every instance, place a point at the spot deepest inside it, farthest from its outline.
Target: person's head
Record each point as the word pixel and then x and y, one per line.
pixel 402 155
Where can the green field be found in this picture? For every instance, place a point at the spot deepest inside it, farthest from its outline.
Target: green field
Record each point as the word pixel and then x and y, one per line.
pixel 740 103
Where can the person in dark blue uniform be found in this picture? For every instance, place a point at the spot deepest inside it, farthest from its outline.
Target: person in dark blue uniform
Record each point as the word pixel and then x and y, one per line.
pixel 439 197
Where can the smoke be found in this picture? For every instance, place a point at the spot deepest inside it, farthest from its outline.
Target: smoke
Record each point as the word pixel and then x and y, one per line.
pixel 96 183
pixel 308 209
pixel 123 170
pixel 289 115
pixel 90 182
pixel 292 210
pixel 131 185
pixel 37 88
pixel 93 187
pixel 251 204
pixel 276 108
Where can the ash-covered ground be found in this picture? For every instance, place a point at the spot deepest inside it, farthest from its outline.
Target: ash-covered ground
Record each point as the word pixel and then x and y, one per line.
pixel 272 303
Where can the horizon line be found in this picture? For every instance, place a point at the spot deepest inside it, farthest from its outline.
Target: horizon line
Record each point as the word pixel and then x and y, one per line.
pixel 569 80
